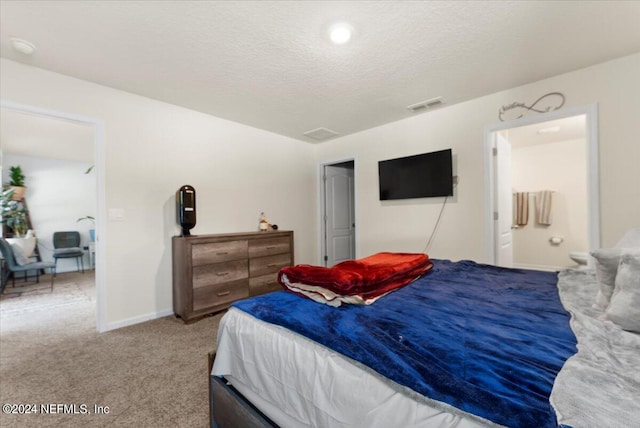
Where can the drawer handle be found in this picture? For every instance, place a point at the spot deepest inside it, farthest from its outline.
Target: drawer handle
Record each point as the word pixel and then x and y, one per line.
pixel 271 248
pixel 222 273
pixel 224 293
pixel 272 265
pixel 222 253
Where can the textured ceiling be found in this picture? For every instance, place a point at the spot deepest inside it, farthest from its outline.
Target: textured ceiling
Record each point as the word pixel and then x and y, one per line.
pixel 269 64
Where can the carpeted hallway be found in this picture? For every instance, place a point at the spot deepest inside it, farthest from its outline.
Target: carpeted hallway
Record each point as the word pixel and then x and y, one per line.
pixel 150 374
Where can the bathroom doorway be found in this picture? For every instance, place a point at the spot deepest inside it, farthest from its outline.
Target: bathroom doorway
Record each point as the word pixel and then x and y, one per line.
pixel 551 158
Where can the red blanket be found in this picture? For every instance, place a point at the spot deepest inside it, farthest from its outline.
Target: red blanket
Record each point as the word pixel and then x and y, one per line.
pixel 360 281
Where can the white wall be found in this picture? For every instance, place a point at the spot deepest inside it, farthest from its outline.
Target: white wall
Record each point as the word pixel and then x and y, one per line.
pixel 153 148
pixel 405 226
pixel 58 193
pixel 561 167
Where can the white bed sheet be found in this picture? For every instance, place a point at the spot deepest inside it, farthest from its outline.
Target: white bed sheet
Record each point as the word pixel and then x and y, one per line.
pixel 299 383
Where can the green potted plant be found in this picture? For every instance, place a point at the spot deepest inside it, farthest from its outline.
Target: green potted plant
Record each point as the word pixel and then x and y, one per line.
pixel 92 231
pixel 16 181
pixel 13 212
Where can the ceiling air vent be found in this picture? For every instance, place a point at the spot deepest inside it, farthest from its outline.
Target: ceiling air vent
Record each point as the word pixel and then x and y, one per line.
pixel 425 105
pixel 321 134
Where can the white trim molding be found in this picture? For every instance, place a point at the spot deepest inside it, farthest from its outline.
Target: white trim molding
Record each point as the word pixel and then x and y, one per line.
pixel 137 320
pixel 99 162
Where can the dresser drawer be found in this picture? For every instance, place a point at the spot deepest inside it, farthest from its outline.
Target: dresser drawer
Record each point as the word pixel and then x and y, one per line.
pixel 216 252
pixel 264 265
pixel 220 294
pixel 218 273
pixel 264 284
pixel 269 246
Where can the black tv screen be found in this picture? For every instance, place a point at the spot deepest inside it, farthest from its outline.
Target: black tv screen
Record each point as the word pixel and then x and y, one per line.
pixel 419 176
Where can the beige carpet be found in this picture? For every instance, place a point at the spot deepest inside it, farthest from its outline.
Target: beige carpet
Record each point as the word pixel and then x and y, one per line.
pixel 150 374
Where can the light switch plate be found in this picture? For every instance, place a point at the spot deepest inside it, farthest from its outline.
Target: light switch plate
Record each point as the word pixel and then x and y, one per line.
pixel 116 214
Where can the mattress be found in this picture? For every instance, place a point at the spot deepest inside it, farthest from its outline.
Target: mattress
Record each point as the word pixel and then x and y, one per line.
pixel 299 383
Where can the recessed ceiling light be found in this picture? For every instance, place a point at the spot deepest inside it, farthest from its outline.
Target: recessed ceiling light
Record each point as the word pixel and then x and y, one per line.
pixel 340 33
pixel 23 46
pixel 549 130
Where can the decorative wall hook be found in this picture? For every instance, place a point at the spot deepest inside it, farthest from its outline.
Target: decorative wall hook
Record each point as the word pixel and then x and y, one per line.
pixel 532 107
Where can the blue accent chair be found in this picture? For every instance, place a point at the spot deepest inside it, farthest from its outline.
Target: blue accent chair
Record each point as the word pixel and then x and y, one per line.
pixel 11 266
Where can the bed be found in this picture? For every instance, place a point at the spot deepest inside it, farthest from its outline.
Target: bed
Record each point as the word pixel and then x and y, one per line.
pixel 465 345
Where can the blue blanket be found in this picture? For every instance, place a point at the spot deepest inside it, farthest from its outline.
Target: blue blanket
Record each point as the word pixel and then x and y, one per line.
pixel 487 340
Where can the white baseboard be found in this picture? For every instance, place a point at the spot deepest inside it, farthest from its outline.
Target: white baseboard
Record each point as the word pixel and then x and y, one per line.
pixel 137 320
pixel 540 267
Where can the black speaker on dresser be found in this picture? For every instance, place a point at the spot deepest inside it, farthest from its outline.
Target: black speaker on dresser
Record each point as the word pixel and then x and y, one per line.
pixel 186 208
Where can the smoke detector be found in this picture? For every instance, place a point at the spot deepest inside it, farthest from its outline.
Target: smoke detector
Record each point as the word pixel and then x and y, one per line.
pixel 425 105
pixel 23 46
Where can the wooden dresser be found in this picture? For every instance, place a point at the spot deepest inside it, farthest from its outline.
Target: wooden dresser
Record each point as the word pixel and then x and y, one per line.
pixel 212 271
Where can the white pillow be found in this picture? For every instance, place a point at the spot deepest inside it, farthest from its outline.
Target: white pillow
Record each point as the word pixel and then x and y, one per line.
pixel 607 260
pixel 21 258
pixel 624 309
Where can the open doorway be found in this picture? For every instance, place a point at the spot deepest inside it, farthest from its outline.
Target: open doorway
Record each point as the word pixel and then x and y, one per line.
pixel 40 138
pixel 337 210
pixel 541 190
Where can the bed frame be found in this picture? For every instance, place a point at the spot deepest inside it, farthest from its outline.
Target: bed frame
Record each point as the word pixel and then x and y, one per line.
pixel 230 409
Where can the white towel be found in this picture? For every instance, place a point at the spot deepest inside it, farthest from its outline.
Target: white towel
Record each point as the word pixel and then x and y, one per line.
pixel 521 208
pixel 543 207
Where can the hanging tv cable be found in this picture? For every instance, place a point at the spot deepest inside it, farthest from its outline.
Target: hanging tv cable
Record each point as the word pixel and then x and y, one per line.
pixel 435 227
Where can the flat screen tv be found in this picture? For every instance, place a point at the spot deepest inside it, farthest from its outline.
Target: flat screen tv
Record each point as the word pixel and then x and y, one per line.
pixel 420 176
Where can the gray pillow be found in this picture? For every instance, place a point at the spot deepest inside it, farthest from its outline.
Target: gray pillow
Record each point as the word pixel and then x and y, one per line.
pixel 624 309
pixel 21 258
pixel 607 260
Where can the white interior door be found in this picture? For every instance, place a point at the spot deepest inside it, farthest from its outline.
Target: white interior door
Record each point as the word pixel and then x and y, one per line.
pixel 339 215
pixel 503 203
